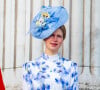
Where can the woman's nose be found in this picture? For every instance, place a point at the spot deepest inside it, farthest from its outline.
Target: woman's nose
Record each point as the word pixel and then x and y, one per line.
pixel 55 38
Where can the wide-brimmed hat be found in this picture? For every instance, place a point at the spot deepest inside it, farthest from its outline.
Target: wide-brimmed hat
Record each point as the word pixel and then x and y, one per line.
pixel 48 20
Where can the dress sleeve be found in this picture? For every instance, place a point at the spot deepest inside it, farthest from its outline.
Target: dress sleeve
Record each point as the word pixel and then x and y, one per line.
pixel 74 77
pixel 31 74
pixel 26 77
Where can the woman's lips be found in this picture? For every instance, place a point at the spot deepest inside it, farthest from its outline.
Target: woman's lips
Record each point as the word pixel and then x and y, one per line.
pixel 54 44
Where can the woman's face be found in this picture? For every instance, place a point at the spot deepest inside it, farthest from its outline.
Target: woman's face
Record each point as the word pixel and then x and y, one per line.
pixel 54 42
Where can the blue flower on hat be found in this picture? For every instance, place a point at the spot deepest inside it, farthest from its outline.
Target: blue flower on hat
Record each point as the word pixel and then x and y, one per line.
pixel 44 20
pixel 47 21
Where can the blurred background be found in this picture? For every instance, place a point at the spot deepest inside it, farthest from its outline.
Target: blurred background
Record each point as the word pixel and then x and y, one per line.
pixel 82 43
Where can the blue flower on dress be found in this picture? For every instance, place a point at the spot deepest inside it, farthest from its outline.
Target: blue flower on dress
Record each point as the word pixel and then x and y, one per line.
pixel 43 87
pixel 62 82
pixel 43 62
pixel 44 56
pixel 33 64
pixel 57 80
pixel 47 87
pixel 43 69
pixel 37 63
pixel 27 78
pixel 26 65
pixel 74 74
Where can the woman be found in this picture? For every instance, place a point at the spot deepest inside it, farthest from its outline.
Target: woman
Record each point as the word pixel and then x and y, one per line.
pixel 50 71
pixel 1 82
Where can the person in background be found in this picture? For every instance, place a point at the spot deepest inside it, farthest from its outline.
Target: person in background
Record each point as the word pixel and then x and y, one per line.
pixel 2 87
pixel 50 71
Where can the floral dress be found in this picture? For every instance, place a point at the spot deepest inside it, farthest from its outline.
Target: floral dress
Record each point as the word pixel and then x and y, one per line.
pixel 50 73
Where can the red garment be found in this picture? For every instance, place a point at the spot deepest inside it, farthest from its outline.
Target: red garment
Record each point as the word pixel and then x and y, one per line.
pixel 2 87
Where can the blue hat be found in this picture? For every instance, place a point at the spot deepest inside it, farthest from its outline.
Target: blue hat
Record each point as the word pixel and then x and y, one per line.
pixel 48 20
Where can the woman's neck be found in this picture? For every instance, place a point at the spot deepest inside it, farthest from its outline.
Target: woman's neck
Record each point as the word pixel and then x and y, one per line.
pixel 49 52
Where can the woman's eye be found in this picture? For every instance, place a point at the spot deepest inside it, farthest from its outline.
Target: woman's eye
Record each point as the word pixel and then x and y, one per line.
pixel 59 36
pixel 52 35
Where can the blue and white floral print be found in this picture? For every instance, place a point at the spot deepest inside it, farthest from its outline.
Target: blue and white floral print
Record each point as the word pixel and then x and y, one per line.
pixel 50 73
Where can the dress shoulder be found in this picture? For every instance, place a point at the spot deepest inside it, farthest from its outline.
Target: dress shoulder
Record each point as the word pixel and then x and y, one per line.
pixel 69 63
pixel 31 66
pixel 33 63
pixel 74 64
pixel 28 64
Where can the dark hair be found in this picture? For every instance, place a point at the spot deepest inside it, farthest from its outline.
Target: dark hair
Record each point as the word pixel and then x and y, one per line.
pixel 63 29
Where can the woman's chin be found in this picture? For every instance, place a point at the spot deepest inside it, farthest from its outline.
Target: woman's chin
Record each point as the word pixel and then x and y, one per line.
pixel 54 49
